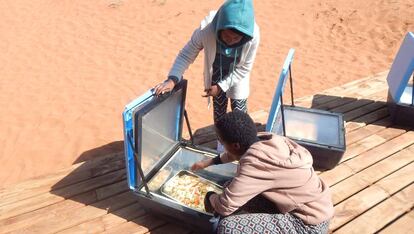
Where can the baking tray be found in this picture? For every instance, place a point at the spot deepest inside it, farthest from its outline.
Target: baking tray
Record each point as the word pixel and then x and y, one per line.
pixel 191 199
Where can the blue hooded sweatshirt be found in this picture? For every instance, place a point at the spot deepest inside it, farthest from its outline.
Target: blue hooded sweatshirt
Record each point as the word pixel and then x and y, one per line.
pixel 237 15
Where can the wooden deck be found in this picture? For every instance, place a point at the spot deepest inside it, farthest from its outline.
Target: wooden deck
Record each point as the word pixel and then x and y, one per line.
pixel 372 187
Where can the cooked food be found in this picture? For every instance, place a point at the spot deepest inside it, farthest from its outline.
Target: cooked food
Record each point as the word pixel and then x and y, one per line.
pixel 189 190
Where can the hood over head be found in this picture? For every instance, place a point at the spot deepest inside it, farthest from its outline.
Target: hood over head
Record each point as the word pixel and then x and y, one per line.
pixel 237 15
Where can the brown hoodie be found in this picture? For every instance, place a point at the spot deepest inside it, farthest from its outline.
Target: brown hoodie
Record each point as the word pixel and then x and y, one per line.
pixel 280 170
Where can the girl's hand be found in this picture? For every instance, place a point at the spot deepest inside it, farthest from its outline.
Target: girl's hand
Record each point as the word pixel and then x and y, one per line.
pixel 200 165
pixel 213 91
pixel 164 87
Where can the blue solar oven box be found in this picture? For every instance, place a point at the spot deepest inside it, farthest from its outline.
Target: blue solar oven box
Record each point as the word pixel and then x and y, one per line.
pixel 321 132
pixel 156 154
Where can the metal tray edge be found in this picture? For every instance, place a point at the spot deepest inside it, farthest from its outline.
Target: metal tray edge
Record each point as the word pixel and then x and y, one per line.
pixel 161 189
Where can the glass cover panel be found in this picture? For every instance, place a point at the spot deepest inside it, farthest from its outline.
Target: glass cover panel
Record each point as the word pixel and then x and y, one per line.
pixel 312 126
pixel 181 161
pixel 407 96
pixel 160 130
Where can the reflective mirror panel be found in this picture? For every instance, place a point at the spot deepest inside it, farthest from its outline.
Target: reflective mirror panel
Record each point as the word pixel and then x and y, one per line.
pixel 407 97
pixel 160 130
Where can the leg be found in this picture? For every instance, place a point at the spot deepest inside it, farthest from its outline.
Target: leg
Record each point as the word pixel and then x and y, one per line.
pixel 219 105
pixel 239 104
pixel 220 108
pixel 268 223
pixel 259 204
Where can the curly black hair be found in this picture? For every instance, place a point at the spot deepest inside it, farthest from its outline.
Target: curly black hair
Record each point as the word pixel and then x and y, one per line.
pixel 237 127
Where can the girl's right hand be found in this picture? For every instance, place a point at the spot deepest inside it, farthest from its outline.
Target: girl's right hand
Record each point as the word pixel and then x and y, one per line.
pixel 164 87
pixel 200 165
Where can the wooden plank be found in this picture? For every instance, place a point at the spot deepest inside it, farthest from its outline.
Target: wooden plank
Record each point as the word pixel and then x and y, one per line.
pixel 366 119
pixel 321 99
pixel 404 224
pixel 337 174
pixel 343 90
pixel 375 219
pixel 111 189
pixel 339 104
pixel 371 142
pixel 107 221
pixel 377 92
pixel 28 205
pixel 403 176
pixel 365 178
pixel 359 147
pixel 363 110
pixel 370 117
pixel 353 100
pixel 137 226
pixel 372 156
pixel 369 197
pixel 93 183
pixel 42 200
pixel 317 99
pixel 365 159
pixel 74 174
pixel 361 133
pixel 357 204
pixel 68 218
pixel 353 106
pixel 352 126
pixel 39 215
pixel 43 213
pixel 259 116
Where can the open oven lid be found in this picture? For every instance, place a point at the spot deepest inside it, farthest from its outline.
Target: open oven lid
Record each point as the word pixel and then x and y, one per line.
pixel 152 128
pixel 274 121
pixel 401 70
pixel 304 124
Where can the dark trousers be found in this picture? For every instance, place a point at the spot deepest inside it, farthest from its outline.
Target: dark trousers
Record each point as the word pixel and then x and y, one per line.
pixel 220 103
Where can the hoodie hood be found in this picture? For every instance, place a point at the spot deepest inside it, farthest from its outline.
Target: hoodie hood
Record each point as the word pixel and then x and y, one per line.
pixel 280 152
pixel 237 15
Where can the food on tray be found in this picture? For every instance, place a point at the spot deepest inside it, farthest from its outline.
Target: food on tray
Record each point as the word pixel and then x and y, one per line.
pixel 189 190
pixel 159 179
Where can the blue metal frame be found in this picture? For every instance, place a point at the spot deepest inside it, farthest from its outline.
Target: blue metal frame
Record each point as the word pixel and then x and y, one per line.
pixel 402 68
pixel 128 124
pixel 280 86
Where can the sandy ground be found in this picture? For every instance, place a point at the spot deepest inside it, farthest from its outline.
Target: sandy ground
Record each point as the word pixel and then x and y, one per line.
pixel 68 67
